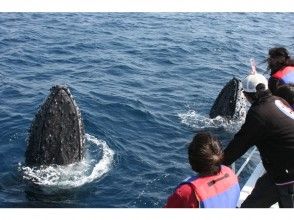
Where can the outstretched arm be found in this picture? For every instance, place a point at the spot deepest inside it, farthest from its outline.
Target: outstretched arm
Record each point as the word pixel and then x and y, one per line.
pixel 251 132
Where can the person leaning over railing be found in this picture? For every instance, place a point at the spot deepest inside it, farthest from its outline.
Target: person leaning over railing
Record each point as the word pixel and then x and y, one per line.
pixel 214 186
pixel 269 125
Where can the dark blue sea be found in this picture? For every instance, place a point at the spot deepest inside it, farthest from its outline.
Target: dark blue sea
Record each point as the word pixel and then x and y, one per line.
pixel 144 82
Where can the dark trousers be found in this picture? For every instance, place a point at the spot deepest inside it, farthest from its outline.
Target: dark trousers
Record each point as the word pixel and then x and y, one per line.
pixel 266 193
pixel 286 194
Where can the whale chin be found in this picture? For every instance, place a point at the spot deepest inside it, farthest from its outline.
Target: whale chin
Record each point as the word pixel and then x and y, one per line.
pixel 56 135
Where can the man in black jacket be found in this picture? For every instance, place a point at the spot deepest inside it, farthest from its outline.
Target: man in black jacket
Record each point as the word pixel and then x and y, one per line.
pixel 269 125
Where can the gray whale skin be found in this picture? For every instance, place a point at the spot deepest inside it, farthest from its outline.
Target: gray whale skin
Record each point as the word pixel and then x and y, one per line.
pixel 56 135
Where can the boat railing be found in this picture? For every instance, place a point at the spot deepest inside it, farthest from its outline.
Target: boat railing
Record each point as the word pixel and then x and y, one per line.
pixel 245 162
pixel 250 183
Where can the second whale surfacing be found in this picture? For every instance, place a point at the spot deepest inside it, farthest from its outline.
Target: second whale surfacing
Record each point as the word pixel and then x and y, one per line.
pixel 57 133
pixel 230 102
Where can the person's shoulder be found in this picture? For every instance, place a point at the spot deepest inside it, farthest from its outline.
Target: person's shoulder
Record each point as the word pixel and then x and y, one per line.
pixel 181 198
pixel 184 190
pixel 255 114
pixel 253 110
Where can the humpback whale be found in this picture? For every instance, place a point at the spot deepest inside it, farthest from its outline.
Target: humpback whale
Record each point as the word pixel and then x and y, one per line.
pixel 230 102
pixel 56 135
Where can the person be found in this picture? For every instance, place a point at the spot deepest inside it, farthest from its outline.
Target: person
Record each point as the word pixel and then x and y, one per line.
pixel 269 125
pixel 281 68
pixel 287 92
pixel 214 186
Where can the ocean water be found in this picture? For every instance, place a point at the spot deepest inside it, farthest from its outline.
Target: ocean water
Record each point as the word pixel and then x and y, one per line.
pixel 144 82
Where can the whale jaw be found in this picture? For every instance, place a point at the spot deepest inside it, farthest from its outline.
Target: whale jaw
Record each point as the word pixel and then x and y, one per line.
pixel 57 133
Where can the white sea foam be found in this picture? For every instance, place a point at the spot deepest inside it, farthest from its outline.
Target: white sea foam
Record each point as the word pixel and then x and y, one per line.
pixel 198 121
pixel 91 168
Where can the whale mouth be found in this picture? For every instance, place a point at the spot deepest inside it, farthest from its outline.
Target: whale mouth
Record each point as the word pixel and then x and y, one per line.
pixel 57 132
pixel 96 163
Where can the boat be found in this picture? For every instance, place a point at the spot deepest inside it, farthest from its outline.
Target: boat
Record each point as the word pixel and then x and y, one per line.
pixel 250 183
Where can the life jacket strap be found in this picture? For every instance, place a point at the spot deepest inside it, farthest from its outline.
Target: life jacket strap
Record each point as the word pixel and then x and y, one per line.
pixel 212 182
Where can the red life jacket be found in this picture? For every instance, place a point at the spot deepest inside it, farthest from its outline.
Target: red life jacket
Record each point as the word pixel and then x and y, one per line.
pixel 285 75
pixel 219 191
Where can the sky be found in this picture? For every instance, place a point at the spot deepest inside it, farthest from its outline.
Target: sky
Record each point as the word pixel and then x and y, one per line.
pixel 146 6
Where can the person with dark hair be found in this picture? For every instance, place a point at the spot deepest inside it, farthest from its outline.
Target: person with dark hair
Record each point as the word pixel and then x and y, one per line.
pixel 214 186
pixel 281 68
pixel 269 125
pixel 287 92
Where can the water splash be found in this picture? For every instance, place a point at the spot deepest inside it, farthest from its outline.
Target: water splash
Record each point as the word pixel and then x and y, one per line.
pixel 97 162
pixel 198 121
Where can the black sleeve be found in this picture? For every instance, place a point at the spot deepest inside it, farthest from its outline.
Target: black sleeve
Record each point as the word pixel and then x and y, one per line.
pixel 272 84
pixel 251 132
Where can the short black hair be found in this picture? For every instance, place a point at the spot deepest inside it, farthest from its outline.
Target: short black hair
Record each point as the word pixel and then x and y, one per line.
pixel 278 52
pixel 278 59
pixel 205 154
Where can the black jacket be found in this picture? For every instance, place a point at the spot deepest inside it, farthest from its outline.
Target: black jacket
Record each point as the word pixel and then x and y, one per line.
pixel 272 131
pixel 273 84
